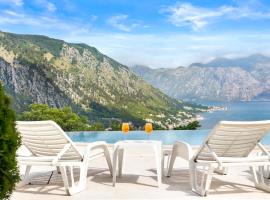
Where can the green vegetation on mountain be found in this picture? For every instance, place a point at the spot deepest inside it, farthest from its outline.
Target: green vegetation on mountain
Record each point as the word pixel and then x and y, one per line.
pixel 39 69
pixel 9 143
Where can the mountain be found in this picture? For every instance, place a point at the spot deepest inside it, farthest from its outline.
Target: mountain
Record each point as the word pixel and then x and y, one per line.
pixel 39 69
pixel 246 63
pixel 223 79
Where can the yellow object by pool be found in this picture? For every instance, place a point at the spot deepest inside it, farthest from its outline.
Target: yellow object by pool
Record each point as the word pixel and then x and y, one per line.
pixel 148 128
pixel 125 128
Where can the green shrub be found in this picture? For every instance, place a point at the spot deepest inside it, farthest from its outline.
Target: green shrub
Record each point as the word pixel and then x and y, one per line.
pixel 64 117
pixel 9 143
pixel 97 126
pixel 115 126
pixel 191 126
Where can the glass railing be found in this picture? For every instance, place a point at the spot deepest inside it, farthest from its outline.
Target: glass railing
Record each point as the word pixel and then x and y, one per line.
pixel 193 137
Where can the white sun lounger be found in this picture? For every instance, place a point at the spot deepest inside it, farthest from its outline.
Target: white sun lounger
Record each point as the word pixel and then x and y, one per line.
pixel 229 144
pixel 50 146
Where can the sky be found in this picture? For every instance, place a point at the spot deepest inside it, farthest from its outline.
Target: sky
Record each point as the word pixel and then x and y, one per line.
pixel 156 33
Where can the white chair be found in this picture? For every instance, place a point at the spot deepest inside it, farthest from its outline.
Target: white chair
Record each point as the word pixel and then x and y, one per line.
pixel 50 146
pixel 230 144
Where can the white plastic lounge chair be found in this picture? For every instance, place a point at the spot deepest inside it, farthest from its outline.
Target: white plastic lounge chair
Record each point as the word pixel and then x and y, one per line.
pixel 50 146
pixel 230 144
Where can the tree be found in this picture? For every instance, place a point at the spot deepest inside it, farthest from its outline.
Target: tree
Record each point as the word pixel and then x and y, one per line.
pixel 115 126
pixel 9 143
pixel 158 127
pixel 67 119
pixel 190 126
pixel 97 126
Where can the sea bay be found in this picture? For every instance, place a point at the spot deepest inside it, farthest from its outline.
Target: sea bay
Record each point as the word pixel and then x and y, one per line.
pixel 236 111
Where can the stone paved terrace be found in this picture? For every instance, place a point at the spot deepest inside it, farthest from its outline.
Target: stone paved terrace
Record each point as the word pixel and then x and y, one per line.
pixel 139 182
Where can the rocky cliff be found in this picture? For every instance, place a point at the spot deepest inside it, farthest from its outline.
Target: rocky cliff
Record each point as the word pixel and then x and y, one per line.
pixel 39 69
pixel 222 79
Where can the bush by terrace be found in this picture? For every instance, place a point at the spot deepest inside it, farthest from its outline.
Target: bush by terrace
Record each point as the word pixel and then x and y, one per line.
pixel 9 143
pixel 67 119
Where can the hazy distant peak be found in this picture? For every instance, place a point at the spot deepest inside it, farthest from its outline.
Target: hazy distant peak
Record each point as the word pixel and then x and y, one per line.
pixel 246 63
pixel 222 79
pixel 140 66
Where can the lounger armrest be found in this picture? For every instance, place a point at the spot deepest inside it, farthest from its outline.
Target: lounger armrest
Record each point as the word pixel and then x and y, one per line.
pixel 183 150
pixel 95 145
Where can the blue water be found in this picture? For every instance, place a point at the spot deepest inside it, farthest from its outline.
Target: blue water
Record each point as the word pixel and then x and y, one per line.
pixel 241 111
pixel 195 137
pixel 235 111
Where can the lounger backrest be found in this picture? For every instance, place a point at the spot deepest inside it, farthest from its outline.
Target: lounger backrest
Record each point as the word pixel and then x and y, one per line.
pixel 46 138
pixel 233 139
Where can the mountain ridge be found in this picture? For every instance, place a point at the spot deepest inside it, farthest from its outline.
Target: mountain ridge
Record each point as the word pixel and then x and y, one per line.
pixel 39 69
pixel 240 79
pixel 243 62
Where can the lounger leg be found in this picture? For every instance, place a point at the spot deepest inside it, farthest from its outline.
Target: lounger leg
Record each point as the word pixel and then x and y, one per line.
pixel 172 160
pixel 115 154
pixel 259 181
pixel 168 161
pixel 74 188
pixel 205 181
pixel 120 161
pixel 266 171
pixel 222 171
pixel 208 180
pixel 192 175
pixel 83 177
pixel 158 164
pixel 108 159
pixel 65 178
pixel 163 164
pixel 25 180
pixel 58 170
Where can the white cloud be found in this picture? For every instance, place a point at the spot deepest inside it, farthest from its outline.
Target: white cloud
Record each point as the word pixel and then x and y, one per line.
pixel 93 18
pixel 9 17
pixel 13 2
pixel 186 14
pixel 119 22
pixel 49 6
pixel 173 50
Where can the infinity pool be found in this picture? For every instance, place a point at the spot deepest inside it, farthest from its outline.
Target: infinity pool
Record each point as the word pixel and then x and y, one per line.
pixel 193 137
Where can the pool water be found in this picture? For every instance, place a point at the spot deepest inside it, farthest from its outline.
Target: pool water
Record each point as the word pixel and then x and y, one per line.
pixel 193 137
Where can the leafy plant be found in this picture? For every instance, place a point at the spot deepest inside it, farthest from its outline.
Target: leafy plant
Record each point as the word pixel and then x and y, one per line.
pixel 191 126
pixel 67 119
pixel 98 126
pixel 9 143
pixel 115 126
